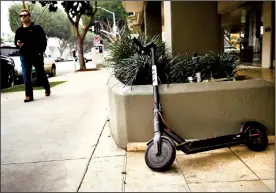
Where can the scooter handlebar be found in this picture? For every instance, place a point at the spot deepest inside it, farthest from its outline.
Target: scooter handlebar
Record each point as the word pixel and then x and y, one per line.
pixel 138 44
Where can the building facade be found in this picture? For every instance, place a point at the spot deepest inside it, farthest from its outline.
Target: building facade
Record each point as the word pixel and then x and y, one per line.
pixel 192 26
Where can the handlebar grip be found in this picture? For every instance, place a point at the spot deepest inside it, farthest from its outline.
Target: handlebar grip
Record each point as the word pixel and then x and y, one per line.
pixel 138 43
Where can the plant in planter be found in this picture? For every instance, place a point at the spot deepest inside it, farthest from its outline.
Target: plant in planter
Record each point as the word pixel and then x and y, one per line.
pixel 218 66
pixel 132 68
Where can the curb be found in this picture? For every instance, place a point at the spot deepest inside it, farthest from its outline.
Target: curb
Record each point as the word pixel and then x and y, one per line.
pixel 142 146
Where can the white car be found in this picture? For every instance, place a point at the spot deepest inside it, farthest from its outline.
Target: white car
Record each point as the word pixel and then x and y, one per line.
pixel 87 57
pixel 230 49
pixel 13 52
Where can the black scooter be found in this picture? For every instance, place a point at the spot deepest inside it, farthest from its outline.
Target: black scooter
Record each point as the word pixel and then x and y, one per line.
pixel 161 150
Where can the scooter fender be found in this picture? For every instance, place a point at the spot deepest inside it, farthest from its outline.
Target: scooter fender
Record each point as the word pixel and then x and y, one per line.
pixel 163 137
pixel 244 125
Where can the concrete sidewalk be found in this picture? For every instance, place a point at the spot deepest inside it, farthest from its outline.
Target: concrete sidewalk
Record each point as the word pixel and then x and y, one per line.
pixel 63 143
pixel 46 145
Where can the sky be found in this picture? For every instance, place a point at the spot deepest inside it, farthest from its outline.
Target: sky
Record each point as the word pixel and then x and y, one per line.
pixel 5 26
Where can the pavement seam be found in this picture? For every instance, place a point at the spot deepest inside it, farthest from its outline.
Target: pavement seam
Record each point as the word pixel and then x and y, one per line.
pixel 183 175
pixel 16 163
pixel 244 163
pixel 211 182
pixel 249 168
pixel 124 176
pixel 89 161
pixel 107 156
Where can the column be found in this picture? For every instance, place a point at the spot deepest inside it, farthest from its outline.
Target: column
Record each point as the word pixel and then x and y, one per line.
pixel 152 17
pixel 168 25
pixel 221 35
pixel 192 26
pixel 267 35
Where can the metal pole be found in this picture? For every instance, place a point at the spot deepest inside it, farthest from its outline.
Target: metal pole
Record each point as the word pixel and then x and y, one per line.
pixel 114 23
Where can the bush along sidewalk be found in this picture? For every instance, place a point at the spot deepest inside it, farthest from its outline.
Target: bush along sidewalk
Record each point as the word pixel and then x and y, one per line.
pixel 132 68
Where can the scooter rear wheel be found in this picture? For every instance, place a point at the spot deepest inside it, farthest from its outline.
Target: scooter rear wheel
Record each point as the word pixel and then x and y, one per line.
pixel 256 137
pixel 164 160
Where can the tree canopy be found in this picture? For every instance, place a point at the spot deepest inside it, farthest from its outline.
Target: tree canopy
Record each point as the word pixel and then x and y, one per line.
pixel 75 10
pixel 39 15
pixel 55 24
pixel 113 6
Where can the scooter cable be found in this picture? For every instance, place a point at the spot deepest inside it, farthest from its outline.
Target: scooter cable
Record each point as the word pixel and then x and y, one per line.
pixel 158 111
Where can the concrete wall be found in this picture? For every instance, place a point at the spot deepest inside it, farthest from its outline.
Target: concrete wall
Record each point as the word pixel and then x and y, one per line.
pixel 189 31
pixel 193 110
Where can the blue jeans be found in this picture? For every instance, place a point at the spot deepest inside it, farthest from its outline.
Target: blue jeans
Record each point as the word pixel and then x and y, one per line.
pixel 26 63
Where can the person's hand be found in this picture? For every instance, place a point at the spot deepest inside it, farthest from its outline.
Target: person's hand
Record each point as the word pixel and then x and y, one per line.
pixel 19 43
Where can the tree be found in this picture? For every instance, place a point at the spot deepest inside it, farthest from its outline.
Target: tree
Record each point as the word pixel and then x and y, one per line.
pixel 106 19
pixel 61 29
pixel 75 10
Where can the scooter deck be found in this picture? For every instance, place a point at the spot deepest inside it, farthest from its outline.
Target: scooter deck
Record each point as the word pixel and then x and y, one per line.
pixel 190 147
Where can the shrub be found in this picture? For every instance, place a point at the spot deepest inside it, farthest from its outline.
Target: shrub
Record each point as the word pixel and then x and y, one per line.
pixel 132 68
pixel 218 65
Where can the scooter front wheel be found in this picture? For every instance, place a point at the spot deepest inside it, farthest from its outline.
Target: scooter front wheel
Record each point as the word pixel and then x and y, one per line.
pixel 164 160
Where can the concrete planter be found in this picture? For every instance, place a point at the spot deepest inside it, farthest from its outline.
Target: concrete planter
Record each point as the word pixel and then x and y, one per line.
pixel 194 110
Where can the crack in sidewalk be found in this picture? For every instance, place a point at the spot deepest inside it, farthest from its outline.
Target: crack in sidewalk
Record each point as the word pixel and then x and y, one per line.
pixel 89 161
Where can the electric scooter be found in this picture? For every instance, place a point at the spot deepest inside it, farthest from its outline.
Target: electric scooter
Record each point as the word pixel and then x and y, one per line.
pixel 161 150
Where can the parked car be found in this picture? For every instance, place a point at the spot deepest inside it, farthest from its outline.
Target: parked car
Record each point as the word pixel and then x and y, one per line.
pixel 231 49
pixel 8 72
pixel 13 52
pixel 49 65
pixel 59 59
pixel 87 56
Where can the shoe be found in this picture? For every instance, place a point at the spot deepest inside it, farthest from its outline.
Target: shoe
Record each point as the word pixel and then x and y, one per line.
pixel 47 92
pixel 28 99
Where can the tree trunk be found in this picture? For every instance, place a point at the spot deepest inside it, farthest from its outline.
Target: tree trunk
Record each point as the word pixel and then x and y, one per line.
pixel 80 41
pixel 62 46
pixel 60 52
pixel 24 5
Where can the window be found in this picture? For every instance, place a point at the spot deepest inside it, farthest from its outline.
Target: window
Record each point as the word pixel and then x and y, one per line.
pixel 131 14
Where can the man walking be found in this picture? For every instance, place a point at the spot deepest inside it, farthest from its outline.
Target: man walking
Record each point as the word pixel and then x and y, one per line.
pixel 31 40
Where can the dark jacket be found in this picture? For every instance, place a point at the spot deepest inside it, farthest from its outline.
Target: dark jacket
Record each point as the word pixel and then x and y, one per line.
pixel 34 39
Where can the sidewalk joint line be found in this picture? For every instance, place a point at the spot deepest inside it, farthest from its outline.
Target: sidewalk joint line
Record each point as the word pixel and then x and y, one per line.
pixel 35 162
pixel 107 156
pixel 125 173
pixel 213 182
pixel 183 174
pixel 89 161
pixel 249 168
pixel 244 163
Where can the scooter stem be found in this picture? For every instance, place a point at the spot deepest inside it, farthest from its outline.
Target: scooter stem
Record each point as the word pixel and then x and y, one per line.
pixel 156 117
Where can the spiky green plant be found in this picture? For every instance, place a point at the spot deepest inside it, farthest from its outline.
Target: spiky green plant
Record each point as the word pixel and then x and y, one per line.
pixel 217 65
pixel 132 68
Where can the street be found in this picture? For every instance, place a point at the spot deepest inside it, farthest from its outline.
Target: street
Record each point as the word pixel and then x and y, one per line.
pixel 69 66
